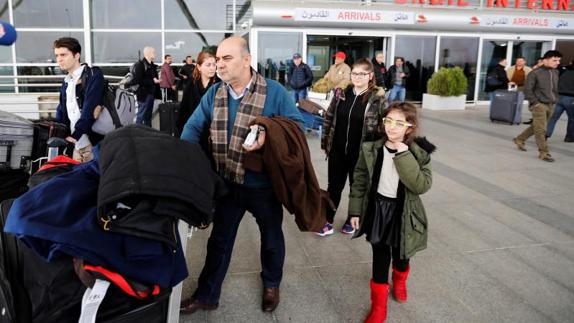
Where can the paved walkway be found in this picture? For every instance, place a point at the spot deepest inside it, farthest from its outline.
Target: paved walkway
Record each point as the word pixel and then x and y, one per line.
pixel 501 240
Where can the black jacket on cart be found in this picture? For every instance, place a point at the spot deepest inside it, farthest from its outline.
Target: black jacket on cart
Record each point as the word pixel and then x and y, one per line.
pixel 149 180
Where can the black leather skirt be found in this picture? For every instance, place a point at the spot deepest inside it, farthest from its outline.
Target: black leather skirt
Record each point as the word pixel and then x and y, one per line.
pixel 384 223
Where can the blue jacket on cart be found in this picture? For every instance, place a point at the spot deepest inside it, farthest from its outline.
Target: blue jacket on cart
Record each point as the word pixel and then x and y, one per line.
pixel 59 217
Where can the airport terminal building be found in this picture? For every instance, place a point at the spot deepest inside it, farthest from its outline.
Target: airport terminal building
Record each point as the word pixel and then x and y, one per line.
pixel 429 34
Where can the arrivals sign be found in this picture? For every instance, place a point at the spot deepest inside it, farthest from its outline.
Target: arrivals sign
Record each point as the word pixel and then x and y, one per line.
pixel 558 5
pixel 354 16
pixel 527 22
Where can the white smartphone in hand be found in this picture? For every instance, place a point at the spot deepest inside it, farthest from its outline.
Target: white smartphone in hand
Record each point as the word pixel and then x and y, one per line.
pixel 252 136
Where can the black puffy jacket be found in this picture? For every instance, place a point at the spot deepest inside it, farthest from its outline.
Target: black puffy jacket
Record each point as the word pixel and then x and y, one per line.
pixel 300 76
pixel 159 178
pixel 499 73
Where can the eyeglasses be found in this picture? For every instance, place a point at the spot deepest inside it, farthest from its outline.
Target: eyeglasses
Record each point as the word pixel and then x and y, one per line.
pixel 360 75
pixel 396 123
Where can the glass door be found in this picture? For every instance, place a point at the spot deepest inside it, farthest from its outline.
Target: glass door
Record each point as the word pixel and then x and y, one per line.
pixel 530 50
pixel 321 48
pixel 494 50
pixel 566 47
pixel 461 52
pixel 419 55
pixel 275 53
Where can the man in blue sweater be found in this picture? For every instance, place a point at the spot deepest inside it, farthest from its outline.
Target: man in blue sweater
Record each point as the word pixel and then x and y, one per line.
pixel 225 112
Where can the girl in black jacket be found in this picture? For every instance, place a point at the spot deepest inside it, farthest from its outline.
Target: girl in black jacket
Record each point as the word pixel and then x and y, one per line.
pixel 352 116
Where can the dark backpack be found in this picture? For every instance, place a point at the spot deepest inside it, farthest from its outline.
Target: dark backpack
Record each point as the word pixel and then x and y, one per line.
pixel 126 82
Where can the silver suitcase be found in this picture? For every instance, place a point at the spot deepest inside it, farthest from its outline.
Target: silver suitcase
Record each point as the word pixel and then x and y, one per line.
pixel 16 140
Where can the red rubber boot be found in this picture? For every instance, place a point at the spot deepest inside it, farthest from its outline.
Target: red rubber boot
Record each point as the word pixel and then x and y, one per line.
pixel 379 297
pixel 400 284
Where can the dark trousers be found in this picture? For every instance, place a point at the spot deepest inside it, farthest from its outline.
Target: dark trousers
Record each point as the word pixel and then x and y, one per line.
pixel 268 213
pixel 382 255
pixel 145 109
pixel 340 167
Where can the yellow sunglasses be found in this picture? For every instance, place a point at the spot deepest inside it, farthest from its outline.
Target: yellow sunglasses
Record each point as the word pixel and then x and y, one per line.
pixel 396 123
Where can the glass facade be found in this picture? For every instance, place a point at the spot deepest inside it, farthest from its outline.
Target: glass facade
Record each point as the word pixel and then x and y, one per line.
pixel 321 48
pixel 110 46
pixel 275 51
pixel 179 45
pixel 419 56
pixel 112 14
pixel 114 36
pixel 566 47
pixel 66 14
pixel 36 47
pixel 494 50
pixel 461 52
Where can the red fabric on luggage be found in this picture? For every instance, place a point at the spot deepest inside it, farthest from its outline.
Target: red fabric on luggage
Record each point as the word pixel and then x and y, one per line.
pixel 58 161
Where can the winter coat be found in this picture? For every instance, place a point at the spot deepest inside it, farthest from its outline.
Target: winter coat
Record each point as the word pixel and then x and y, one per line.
pixel 340 75
pixel 187 71
pixel 414 169
pixel 373 110
pixel 160 177
pixel 511 70
pixel 287 160
pixel 542 86
pixel 89 94
pixel 380 72
pixel 192 94
pixel 391 74
pixel 143 76
pixel 566 82
pixel 499 73
pixel 300 77
pixel 167 79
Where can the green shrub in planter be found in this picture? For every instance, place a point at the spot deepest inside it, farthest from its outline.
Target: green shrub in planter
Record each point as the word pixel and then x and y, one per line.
pixel 448 82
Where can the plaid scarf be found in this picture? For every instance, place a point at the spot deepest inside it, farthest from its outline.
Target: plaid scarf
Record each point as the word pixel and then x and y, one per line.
pixel 229 156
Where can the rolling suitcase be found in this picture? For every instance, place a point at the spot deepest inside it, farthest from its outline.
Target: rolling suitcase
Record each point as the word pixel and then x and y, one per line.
pixel 13 182
pixel 44 130
pixel 168 112
pixel 16 140
pixel 506 106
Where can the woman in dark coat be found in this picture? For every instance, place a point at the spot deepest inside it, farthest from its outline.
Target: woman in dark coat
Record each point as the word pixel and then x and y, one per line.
pixel 202 78
pixel 496 78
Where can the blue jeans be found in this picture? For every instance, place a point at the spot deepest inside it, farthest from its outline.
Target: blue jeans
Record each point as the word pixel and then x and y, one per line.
pixel 299 94
pixel 145 109
pixel 565 103
pixel 268 213
pixel 398 92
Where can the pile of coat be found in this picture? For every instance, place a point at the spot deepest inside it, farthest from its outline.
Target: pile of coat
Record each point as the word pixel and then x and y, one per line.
pixel 119 212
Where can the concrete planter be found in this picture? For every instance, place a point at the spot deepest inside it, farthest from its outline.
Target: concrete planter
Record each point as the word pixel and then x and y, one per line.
pixel 435 102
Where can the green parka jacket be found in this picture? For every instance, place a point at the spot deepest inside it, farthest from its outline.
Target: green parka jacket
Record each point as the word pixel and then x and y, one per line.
pixel 414 169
